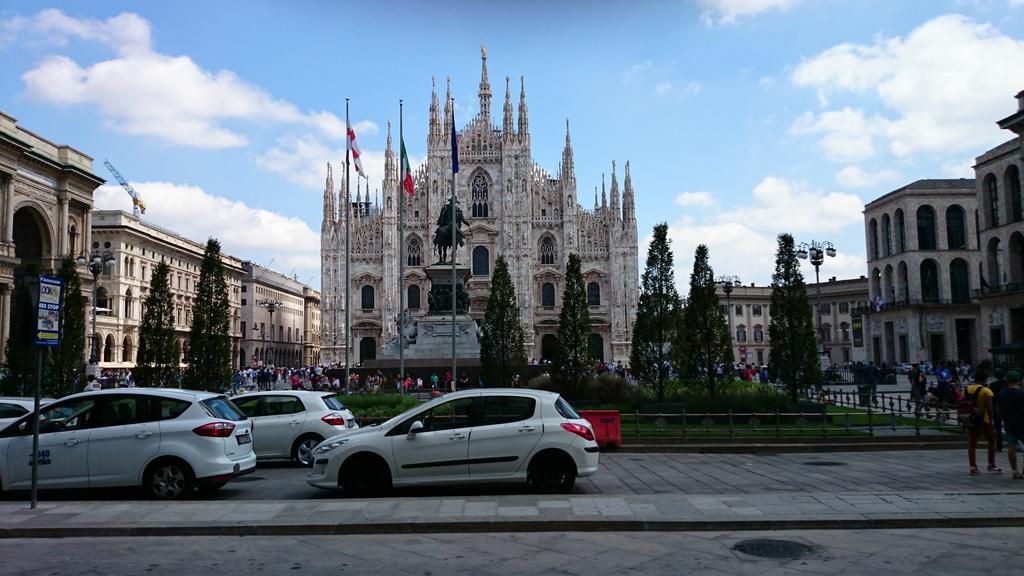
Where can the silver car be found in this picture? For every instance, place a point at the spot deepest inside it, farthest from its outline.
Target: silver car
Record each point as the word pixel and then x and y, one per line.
pixel 291 423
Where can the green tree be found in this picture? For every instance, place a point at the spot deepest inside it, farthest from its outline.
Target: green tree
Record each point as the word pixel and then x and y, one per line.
pixel 658 315
pixel 501 341
pixel 706 342
pixel 791 329
pixel 67 361
pixel 572 367
pixel 20 373
pixel 209 344
pixel 157 363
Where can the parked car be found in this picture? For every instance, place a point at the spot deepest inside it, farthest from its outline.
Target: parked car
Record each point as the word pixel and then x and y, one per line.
pixel 290 424
pixel 474 436
pixel 167 441
pixel 13 408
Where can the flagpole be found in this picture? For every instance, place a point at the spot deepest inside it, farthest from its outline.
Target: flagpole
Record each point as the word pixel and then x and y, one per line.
pixel 454 224
pixel 348 252
pixel 400 193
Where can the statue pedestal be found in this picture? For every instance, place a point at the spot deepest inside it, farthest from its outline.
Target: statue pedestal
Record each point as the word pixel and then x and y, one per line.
pixel 433 333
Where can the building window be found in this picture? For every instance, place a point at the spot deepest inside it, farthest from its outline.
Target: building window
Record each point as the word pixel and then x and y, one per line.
pixel 901 231
pixel 826 332
pixel 1013 184
pixel 413 297
pixel 129 303
pixel 992 191
pixel 959 282
pixel 593 294
pixel 547 251
pixel 479 196
pixel 758 333
pixel 481 261
pixel 755 309
pixel 926 228
pixel 367 298
pixel 724 309
pixel 244 335
pixel 244 288
pixel 929 281
pixel 887 234
pixel 873 229
pixel 243 301
pixel 741 333
pixel 547 295
pixel 739 310
pixel 414 252
pixel 826 308
pixel 844 330
pixel 844 307
pixel 956 232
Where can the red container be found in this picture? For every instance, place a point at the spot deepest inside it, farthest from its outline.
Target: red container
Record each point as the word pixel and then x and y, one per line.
pixel 607 426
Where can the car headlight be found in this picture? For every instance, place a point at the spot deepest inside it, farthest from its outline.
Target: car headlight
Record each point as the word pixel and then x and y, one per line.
pixel 325 447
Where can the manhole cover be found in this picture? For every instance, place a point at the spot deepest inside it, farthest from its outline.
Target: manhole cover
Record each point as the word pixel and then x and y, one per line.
pixel 248 479
pixel 824 463
pixel 769 548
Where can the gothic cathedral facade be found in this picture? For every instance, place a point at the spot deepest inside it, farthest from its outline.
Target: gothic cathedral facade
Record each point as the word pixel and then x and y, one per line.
pixel 514 208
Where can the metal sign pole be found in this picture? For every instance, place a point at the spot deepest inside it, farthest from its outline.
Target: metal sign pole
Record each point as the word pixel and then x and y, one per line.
pixel 45 296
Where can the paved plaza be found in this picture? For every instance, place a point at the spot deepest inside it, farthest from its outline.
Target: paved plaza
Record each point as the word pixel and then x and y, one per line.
pixel 928 552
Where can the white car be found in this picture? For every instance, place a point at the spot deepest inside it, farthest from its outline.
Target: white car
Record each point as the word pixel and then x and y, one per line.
pixel 166 440
pixel 290 424
pixel 475 436
pixel 13 408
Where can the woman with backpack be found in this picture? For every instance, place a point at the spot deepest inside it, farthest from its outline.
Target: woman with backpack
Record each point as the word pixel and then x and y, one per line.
pixel 974 411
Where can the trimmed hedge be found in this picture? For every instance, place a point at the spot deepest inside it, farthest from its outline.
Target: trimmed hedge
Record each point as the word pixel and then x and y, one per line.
pixel 378 405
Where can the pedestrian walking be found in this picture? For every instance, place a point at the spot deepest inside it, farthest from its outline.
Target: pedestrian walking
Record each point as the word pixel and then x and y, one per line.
pixel 1011 407
pixel 997 386
pixel 980 423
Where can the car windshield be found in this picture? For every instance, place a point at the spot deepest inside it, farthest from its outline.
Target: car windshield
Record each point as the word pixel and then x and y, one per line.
pixel 221 407
pixel 566 410
pixel 332 402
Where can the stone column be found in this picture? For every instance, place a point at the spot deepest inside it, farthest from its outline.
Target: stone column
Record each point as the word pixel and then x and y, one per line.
pixel 6 184
pixel 87 230
pixel 5 317
pixel 62 225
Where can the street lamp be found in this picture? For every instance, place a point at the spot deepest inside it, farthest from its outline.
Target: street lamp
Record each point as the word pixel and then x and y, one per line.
pixel 96 261
pixel 817 251
pixel 272 305
pixel 728 283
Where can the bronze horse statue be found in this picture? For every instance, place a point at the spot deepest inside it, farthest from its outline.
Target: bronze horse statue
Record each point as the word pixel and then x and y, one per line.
pixel 443 233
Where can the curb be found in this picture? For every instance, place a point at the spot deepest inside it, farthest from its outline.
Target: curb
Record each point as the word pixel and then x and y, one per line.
pixel 781 448
pixel 511 527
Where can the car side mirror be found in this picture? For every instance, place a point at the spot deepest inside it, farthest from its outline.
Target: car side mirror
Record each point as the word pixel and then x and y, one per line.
pixel 414 428
pixel 22 427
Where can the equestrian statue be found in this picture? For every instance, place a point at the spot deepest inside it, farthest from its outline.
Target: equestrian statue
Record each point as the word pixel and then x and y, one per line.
pixel 443 234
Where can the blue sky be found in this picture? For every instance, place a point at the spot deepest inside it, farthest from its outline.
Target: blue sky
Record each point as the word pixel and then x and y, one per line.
pixel 741 118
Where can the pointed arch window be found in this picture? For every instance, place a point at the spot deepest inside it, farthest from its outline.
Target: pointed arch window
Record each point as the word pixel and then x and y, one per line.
pixel 547 250
pixel 479 196
pixel 414 252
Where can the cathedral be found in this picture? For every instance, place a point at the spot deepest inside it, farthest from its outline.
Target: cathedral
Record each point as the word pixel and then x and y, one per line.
pixel 514 208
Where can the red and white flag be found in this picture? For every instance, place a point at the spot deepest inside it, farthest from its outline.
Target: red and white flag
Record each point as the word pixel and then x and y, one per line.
pixel 353 149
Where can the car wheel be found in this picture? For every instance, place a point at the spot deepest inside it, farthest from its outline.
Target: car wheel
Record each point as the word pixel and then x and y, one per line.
pixel 553 474
pixel 302 450
pixel 364 477
pixel 170 480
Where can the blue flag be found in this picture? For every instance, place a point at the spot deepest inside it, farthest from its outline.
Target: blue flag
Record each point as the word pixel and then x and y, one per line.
pixel 455 147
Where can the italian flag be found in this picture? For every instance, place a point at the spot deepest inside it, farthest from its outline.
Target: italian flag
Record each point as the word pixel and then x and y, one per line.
pixel 406 172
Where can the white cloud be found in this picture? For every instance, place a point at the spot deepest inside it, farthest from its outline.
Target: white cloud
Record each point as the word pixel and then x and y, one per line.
pixel 854 176
pixel 944 84
pixel 666 88
pixel 702 199
pixel 196 214
pixel 143 92
pixel 728 11
pixel 662 88
pixel 303 160
pixel 767 81
pixel 962 168
pixel 847 135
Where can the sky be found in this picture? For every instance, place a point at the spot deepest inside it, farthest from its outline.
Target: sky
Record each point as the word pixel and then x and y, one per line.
pixel 741 119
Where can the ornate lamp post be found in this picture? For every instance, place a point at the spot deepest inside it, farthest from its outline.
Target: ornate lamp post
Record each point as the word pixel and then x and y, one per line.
pixel 728 283
pixel 272 305
pixel 97 261
pixel 817 251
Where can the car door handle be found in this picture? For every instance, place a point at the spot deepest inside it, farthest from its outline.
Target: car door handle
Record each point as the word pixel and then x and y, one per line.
pixel 527 428
pixel 457 437
pixel 73 442
pixel 144 434
pixel 294 423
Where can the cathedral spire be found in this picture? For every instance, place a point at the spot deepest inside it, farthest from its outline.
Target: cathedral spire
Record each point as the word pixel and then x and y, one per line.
pixel 448 111
pixel 615 194
pixel 524 122
pixel 485 87
pixel 389 158
pixel 435 110
pixel 604 197
pixel 330 212
pixel 568 171
pixel 359 199
pixel 507 124
pixel 628 203
pixel 595 195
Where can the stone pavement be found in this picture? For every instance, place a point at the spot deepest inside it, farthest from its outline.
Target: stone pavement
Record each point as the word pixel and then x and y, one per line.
pixel 923 552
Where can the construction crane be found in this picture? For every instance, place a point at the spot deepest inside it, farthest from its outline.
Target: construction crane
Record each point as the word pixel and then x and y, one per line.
pixel 138 206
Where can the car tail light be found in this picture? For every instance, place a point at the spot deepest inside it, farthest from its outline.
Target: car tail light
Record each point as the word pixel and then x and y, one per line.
pixel 334 419
pixel 579 430
pixel 215 429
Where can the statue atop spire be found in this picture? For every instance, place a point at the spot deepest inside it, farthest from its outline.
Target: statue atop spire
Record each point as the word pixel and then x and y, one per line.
pixel 616 214
pixel 507 124
pixel 435 110
pixel 485 87
pixel 330 212
pixel 524 122
pixel 568 171
pixel 389 160
pixel 448 110
pixel 628 201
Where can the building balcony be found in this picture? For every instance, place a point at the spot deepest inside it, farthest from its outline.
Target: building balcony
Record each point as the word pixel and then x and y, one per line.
pixel 1001 290
pixel 913 303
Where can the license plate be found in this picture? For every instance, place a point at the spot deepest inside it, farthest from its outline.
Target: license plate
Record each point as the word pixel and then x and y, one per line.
pixel 244 438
